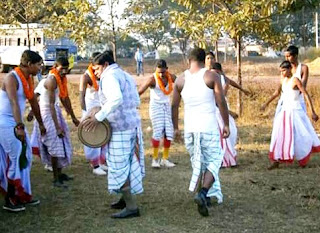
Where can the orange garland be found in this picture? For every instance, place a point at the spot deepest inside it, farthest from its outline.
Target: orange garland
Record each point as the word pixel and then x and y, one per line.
pixel 93 78
pixel 161 85
pixel 27 84
pixel 62 84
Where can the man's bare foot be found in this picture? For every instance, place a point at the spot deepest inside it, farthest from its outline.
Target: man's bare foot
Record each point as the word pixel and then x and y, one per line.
pixel 274 165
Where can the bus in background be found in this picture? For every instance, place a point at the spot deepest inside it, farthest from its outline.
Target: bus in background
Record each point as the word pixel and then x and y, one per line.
pixel 14 40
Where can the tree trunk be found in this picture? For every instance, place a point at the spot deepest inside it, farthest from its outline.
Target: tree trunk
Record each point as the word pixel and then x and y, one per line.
pixel 239 100
pixel 114 45
pixel 28 35
pixel 114 33
pixel 216 51
pixel 317 29
pixel 183 47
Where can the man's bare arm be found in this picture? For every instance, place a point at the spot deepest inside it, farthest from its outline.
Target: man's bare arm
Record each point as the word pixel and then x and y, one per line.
pixel 10 86
pixel 274 95
pixel 67 105
pixel 51 86
pixel 84 81
pixel 176 99
pixel 305 75
pixel 150 82
pixel 300 86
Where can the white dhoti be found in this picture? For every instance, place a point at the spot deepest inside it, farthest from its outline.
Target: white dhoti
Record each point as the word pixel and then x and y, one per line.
pixel 161 120
pixel 10 171
pixel 125 156
pixel 228 144
pixel 51 144
pixel 293 136
pixel 205 154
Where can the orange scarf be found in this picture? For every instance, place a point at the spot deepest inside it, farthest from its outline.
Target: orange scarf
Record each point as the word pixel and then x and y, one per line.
pixel 93 78
pixel 27 84
pixel 161 85
pixel 62 84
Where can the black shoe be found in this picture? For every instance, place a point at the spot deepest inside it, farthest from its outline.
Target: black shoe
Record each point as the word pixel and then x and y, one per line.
pixel 125 213
pixel 65 177
pixel 200 200
pixel 9 206
pixel 33 202
pixel 208 200
pixel 119 205
pixel 59 184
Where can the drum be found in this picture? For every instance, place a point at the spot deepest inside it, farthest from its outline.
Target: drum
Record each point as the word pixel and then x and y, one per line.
pixel 100 136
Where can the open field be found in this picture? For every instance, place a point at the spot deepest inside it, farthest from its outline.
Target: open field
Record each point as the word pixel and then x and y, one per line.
pixel 255 199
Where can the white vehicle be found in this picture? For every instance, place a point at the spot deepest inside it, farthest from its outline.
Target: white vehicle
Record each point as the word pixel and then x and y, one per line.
pixel 13 41
pixel 151 55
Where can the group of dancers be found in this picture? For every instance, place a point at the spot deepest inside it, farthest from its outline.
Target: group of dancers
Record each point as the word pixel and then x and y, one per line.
pixel 109 93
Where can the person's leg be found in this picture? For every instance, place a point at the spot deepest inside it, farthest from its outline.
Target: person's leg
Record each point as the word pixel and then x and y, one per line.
pixel 142 70
pixel 54 162
pixel 57 181
pixel 155 145
pixel 138 68
pixel 10 202
pixel 131 209
pixel 166 146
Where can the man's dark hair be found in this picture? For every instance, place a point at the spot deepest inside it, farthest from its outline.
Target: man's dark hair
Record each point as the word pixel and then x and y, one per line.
pixel 104 57
pixel 29 56
pixel 62 61
pixel 197 54
pixel 95 54
pixel 293 50
pixel 161 64
pixel 217 66
pixel 285 65
pixel 210 53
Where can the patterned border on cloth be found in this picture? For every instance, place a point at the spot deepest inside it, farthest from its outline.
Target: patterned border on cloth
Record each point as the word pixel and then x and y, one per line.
pixel 205 154
pixel 125 156
pixel 160 116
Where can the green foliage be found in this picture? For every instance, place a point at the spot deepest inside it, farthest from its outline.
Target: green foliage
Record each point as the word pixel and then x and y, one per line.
pixel 78 18
pixel 149 19
pixel 235 17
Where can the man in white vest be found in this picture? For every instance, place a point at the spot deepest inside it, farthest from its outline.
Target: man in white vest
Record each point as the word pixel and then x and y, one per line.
pixel 201 90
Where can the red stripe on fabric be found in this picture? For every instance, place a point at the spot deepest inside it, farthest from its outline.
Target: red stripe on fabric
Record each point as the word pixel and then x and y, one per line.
pixel 102 159
pixel 271 153
pixel 284 134
pixel 21 195
pixel 291 135
pixel 303 162
pixel 36 151
pixel 95 162
pixel 315 149
pixel 230 157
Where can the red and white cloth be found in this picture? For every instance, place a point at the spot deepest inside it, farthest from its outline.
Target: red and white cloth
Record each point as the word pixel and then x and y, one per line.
pixel 228 144
pixel 293 135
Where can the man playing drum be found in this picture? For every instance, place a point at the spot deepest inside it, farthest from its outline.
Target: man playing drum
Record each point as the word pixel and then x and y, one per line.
pixel 119 101
pixel 55 148
pixel 89 98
